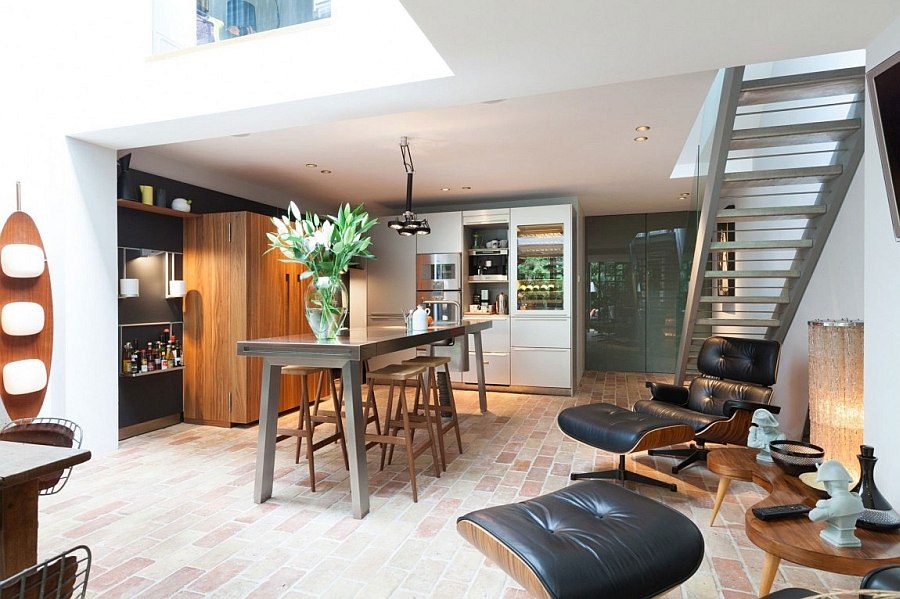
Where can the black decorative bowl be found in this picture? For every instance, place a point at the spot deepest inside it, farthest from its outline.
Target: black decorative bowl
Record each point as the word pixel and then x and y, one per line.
pixel 796 457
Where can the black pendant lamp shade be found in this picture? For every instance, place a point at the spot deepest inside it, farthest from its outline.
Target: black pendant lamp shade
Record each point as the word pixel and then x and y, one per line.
pixel 408 223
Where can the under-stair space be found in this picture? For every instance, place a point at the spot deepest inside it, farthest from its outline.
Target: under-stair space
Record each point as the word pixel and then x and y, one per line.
pixel 784 154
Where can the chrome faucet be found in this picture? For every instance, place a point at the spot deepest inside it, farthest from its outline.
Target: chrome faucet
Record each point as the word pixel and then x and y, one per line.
pixel 439 323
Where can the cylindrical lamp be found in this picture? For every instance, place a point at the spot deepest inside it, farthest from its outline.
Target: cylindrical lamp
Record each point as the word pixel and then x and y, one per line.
pixel 836 389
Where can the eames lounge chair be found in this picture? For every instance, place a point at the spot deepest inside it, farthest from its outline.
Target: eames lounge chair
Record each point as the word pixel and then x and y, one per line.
pixel 735 380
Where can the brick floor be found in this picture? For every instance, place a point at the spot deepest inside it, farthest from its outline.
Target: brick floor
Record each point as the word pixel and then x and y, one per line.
pixel 171 512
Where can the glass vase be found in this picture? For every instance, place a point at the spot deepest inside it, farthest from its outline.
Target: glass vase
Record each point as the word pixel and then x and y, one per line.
pixel 878 513
pixel 325 305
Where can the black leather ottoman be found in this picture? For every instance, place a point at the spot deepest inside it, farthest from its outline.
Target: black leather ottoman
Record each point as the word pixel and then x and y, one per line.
pixel 617 430
pixel 588 540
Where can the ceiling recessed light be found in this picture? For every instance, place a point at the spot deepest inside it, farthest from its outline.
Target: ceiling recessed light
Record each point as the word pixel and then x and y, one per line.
pixel 325 172
pixel 241 135
pixel 497 101
pixel 641 138
pixel 466 187
pixel 445 189
pixel 642 128
pixel 311 165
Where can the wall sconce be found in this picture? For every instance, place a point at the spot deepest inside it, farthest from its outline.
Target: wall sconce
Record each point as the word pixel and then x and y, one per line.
pixel 24 376
pixel 22 261
pixel 174 287
pixel 20 319
pixel 836 389
pixel 128 287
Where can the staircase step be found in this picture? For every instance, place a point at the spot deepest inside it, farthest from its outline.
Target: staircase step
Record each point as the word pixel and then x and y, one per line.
pixel 794 135
pixel 782 176
pixel 803 86
pixel 744 299
pixel 751 274
pixel 770 212
pixel 740 322
pixel 769 244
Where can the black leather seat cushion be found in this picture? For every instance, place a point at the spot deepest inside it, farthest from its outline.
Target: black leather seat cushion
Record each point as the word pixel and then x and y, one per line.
pixel 596 539
pixel 660 409
pixel 608 426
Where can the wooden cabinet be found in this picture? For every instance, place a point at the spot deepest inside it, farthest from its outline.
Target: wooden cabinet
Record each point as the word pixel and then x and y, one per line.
pixel 236 291
pixel 446 234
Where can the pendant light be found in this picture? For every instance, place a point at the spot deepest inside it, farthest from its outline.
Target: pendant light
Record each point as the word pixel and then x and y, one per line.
pixel 408 223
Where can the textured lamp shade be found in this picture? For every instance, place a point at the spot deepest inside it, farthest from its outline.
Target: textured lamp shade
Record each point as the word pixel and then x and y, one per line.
pixel 22 261
pixel 129 287
pixel 22 318
pixel 24 376
pixel 836 389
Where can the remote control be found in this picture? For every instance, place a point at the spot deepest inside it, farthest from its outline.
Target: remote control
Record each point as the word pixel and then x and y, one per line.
pixel 774 512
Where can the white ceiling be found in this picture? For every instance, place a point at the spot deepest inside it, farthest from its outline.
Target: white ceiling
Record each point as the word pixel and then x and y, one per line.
pixel 575 77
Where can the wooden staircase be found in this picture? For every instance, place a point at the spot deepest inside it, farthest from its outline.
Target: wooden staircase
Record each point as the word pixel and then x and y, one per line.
pixel 783 155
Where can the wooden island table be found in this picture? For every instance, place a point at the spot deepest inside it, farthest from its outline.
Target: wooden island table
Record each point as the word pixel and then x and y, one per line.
pixel 347 353
pixel 795 539
pixel 21 467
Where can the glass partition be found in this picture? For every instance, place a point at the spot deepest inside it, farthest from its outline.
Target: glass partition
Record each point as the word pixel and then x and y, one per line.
pixel 638 268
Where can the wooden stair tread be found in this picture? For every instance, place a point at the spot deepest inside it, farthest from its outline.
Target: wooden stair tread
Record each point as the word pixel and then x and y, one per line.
pixel 803 86
pixel 740 322
pixel 770 212
pixel 768 244
pixel 752 274
pixel 781 176
pixel 744 299
pixel 794 135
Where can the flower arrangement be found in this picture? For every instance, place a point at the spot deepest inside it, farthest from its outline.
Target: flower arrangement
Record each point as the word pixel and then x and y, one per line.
pixel 326 247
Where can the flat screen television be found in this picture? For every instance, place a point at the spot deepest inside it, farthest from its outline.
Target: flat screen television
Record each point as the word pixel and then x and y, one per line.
pixel 884 94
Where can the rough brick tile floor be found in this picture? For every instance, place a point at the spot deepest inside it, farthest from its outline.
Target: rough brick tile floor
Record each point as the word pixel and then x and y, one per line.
pixel 170 514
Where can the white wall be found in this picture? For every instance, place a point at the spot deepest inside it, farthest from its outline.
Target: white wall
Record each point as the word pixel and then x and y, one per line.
pixel 835 291
pixel 882 288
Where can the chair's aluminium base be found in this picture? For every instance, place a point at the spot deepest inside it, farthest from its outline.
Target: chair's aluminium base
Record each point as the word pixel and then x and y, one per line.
pixel 692 454
pixel 622 474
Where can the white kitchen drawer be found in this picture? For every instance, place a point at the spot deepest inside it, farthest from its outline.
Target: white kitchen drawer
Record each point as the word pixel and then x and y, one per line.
pixel 496 369
pixel 494 339
pixel 541 367
pixel 540 332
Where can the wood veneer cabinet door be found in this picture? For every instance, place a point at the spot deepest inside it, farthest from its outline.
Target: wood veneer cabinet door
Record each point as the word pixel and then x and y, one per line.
pixel 237 291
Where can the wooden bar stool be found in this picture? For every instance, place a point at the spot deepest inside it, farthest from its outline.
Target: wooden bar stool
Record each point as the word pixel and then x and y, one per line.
pixel 431 390
pixel 401 417
pixel 309 417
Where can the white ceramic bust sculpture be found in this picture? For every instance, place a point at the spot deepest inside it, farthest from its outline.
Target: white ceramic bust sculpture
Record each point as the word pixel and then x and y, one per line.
pixel 841 510
pixel 764 432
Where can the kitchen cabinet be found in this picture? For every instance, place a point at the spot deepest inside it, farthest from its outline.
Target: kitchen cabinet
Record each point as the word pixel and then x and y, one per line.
pixel 390 284
pixel 540 265
pixel 235 291
pixel 446 234
pixel 495 352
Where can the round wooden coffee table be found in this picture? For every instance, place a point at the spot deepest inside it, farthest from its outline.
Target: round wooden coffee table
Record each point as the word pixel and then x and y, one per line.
pixel 795 539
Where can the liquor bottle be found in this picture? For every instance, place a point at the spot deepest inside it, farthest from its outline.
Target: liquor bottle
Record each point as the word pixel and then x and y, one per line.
pixel 151 363
pixel 170 357
pixel 144 366
pixel 176 353
pixel 135 361
pixel 126 357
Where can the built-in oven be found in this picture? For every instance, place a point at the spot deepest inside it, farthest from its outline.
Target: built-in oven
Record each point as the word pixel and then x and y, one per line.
pixel 438 272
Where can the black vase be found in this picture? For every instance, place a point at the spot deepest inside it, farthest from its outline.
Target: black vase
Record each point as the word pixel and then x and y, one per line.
pixel 127 190
pixel 878 513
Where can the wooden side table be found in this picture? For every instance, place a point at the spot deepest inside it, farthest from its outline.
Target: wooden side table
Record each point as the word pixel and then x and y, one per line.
pixel 795 539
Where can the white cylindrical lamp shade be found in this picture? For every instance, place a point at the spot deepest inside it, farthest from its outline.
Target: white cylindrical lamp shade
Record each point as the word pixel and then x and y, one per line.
pixel 22 318
pixel 177 288
pixel 836 389
pixel 22 260
pixel 24 376
pixel 129 287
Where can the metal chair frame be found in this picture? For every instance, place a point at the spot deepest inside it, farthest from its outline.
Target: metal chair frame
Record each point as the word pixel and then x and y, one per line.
pixel 63 576
pixel 76 443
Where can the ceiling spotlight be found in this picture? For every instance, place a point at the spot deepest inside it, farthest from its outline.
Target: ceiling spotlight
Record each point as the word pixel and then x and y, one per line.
pixel 466 187
pixel 311 165
pixel 325 171
pixel 241 135
pixel 445 189
pixel 641 138
pixel 642 128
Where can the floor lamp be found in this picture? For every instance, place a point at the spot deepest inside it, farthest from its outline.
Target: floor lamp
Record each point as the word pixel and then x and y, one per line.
pixel 836 389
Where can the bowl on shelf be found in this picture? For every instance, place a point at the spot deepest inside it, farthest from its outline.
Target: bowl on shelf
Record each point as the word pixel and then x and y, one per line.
pixel 796 457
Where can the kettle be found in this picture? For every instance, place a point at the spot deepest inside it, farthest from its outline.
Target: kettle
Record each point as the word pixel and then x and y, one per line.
pixel 420 318
pixel 501 305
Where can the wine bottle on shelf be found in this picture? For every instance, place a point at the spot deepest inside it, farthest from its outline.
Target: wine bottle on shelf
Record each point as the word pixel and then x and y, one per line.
pixel 144 366
pixel 151 361
pixel 126 357
pixel 170 357
pixel 135 361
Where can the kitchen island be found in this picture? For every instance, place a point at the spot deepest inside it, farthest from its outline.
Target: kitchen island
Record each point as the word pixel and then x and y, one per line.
pixel 348 354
